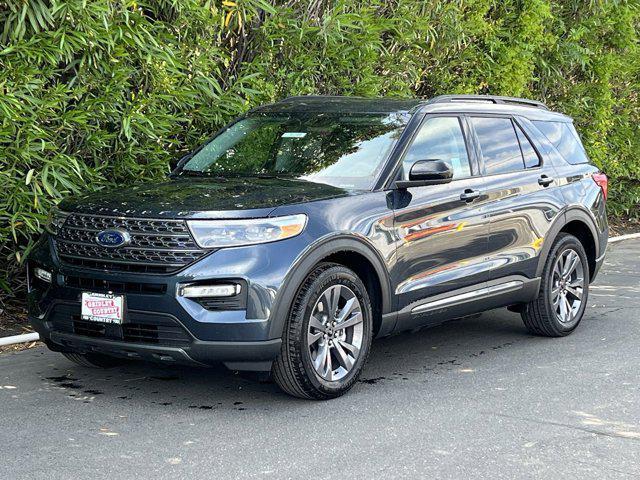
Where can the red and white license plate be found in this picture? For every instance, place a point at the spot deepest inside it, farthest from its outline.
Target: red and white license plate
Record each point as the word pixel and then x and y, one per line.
pixel 102 307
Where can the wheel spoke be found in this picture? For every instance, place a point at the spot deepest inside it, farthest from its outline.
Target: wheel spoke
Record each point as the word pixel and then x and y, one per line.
pixel 562 262
pixel 556 271
pixel 560 266
pixel 317 324
pixel 576 283
pixel 344 359
pixel 570 263
pixel 575 291
pixel 335 298
pixel 321 358
pixel 347 309
pixel 568 308
pixel 352 349
pixel 329 366
pixel 325 302
pixel 350 322
pixel 314 337
pixel 563 308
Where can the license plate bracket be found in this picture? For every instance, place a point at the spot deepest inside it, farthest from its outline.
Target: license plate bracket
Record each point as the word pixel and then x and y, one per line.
pixel 102 307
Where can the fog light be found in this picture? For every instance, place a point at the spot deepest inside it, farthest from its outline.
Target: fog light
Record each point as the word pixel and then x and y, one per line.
pixel 42 274
pixel 207 291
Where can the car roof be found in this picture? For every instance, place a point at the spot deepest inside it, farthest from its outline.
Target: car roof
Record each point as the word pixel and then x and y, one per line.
pixel 338 104
pixel 472 104
pixel 530 112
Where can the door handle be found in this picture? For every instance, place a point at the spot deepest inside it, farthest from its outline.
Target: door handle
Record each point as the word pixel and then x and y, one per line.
pixel 469 195
pixel 545 181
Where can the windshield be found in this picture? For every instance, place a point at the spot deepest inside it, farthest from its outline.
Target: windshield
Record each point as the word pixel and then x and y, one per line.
pixel 345 151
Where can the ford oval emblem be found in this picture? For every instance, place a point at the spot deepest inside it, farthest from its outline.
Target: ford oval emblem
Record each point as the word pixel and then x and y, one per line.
pixel 113 238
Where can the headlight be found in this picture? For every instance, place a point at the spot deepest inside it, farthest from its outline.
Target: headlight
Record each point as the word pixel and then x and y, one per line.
pixel 55 220
pixel 233 233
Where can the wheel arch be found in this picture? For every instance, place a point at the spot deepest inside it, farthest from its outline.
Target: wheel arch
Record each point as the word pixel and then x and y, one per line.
pixel 351 251
pixel 580 224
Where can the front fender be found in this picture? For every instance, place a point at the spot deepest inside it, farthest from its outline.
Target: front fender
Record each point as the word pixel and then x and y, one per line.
pixel 311 256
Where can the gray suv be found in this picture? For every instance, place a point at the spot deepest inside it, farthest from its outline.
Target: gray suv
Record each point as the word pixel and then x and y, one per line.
pixel 307 228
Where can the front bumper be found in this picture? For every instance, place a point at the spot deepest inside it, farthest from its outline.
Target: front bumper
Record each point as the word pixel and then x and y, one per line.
pixel 254 356
pixel 159 324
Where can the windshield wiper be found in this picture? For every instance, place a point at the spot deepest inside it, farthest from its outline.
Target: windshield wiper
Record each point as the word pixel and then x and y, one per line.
pixel 265 175
pixel 192 173
pixel 200 174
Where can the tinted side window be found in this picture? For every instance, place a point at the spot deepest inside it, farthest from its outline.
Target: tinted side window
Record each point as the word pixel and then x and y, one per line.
pixel 439 138
pixel 531 158
pixel 499 144
pixel 564 137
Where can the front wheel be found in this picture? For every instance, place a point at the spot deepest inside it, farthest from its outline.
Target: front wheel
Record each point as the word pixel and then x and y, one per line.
pixel 563 292
pixel 328 335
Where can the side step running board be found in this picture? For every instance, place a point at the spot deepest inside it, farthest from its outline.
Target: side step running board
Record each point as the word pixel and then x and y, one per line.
pixel 473 294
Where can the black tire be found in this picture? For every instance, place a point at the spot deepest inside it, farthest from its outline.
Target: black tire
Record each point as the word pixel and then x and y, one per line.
pixel 94 360
pixel 539 316
pixel 293 370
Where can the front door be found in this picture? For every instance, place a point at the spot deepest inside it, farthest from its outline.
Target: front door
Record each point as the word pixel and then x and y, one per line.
pixel 441 230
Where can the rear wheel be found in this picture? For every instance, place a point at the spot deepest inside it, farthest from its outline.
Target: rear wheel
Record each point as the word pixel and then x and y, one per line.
pixel 94 360
pixel 563 292
pixel 328 335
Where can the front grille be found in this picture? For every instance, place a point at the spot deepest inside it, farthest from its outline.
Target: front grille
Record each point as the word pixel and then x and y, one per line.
pixel 156 246
pixel 158 334
pixel 88 329
pixel 140 327
pixel 97 285
pixel 120 267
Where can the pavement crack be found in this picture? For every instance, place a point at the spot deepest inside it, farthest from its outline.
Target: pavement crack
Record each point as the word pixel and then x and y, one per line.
pixel 614 310
pixel 566 425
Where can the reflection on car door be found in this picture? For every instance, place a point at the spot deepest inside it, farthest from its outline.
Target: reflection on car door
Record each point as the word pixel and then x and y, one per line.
pixel 522 201
pixel 441 230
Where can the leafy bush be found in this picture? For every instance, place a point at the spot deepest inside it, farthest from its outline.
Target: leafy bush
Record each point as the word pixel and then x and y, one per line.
pixel 97 93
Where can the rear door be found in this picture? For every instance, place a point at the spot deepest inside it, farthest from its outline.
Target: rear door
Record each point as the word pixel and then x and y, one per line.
pixel 441 230
pixel 522 195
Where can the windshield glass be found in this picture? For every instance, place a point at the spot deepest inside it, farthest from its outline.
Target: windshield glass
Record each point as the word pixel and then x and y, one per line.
pixel 345 151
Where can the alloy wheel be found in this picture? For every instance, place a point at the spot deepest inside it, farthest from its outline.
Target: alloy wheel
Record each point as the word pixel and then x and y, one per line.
pixel 568 284
pixel 335 332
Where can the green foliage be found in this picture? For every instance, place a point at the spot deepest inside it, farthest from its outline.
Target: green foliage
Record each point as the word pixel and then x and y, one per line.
pixel 97 93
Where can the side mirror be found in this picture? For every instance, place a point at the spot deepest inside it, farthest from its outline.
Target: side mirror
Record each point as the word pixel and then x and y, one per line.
pixel 427 172
pixel 177 162
pixel 173 163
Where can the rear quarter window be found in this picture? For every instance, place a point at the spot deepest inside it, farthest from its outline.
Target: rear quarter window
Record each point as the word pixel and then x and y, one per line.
pixel 564 137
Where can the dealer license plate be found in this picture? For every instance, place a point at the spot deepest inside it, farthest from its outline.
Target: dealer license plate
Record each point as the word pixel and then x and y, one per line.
pixel 102 307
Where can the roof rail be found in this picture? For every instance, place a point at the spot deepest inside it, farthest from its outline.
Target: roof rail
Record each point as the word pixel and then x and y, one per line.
pixel 488 98
pixel 293 98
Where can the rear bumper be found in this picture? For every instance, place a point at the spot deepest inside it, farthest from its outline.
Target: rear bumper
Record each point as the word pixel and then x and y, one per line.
pixel 599 262
pixel 252 356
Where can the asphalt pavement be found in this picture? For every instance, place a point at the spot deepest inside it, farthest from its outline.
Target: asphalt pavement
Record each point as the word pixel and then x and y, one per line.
pixel 474 398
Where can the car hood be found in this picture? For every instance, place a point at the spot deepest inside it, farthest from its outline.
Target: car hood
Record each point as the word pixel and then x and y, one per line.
pixel 202 198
